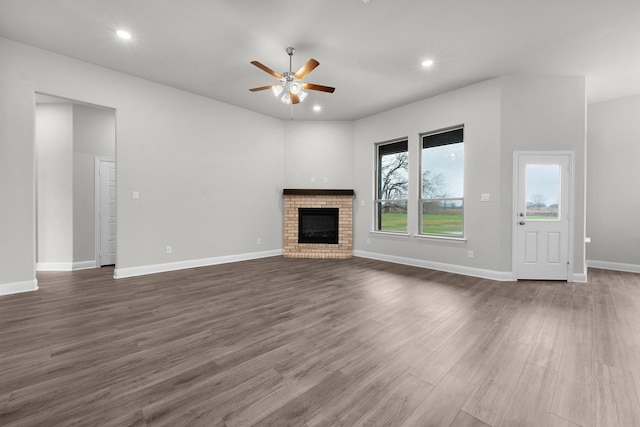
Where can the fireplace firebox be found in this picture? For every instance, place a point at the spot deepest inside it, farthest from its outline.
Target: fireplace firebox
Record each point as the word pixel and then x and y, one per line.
pixel 318 225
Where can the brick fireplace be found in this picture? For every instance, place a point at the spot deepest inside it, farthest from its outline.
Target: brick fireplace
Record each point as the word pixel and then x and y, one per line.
pixel 296 200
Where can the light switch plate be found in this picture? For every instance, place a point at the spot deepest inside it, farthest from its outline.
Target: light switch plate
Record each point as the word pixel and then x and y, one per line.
pixel 485 197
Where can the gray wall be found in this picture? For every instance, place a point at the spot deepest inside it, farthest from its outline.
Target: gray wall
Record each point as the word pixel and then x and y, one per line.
pixel 500 116
pixel 210 175
pixel 54 148
pixel 613 194
pixel 17 175
pixel 478 108
pixel 317 150
pixel 546 113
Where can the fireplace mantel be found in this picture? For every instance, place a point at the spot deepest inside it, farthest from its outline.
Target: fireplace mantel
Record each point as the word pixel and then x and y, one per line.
pixel 316 192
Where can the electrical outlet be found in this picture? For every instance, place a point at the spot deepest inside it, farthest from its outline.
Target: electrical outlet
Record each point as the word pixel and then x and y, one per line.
pixel 259 241
pixel 168 250
pixel 470 254
pixel 368 241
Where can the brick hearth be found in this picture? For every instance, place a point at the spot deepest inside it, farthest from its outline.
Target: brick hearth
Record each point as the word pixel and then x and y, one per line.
pixel 341 199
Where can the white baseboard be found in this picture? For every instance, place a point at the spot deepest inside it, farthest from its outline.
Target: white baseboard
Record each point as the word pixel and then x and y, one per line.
pixel 120 273
pixel 18 287
pixel 503 276
pixel 84 265
pixel 618 266
pixel 65 266
pixel 579 277
pixel 54 266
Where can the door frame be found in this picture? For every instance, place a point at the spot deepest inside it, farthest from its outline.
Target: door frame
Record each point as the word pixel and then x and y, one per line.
pixel 570 201
pixel 96 210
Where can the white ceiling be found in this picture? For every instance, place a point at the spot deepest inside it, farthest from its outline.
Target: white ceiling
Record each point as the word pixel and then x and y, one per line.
pixel 371 52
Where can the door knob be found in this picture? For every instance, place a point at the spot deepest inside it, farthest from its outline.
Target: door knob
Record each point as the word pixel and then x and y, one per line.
pixel 522 223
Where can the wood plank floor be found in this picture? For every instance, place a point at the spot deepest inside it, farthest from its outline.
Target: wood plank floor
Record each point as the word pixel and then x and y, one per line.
pixel 320 343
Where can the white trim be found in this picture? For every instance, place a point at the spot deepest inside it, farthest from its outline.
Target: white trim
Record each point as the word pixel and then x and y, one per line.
pixel 96 207
pixel 570 218
pixel 54 266
pixel 502 276
pixel 617 266
pixel 65 266
pixel 403 236
pixel 18 287
pixel 120 273
pixel 83 265
pixel 433 238
pixel 579 277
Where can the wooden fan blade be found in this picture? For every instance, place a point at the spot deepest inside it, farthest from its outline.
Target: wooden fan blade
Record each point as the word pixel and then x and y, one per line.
pixel 294 98
pixel 308 67
pixel 267 69
pixel 256 89
pixel 312 86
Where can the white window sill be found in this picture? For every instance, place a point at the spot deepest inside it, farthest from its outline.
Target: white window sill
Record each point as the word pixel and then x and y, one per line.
pixel 403 236
pixel 440 238
pixel 406 236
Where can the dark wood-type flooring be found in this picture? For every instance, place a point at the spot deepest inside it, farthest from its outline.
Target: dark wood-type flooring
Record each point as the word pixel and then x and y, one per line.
pixel 320 343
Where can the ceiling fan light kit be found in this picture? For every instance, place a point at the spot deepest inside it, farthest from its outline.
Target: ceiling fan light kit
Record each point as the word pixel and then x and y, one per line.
pixel 291 89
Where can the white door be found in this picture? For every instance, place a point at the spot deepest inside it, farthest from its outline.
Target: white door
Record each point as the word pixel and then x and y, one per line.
pixel 542 216
pixel 107 213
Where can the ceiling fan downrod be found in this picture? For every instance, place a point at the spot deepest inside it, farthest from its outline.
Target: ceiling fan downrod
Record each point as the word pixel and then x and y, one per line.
pixel 290 52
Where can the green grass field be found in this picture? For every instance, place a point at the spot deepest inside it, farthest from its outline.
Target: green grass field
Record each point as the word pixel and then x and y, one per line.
pixel 543 218
pixel 448 225
pixel 394 222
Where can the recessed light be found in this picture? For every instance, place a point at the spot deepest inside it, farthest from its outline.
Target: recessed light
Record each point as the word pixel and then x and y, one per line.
pixel 317 108
pixel 427 63
pixel 124 34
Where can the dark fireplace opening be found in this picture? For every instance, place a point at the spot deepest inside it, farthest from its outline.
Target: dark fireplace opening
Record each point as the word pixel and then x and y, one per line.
pixel 318 225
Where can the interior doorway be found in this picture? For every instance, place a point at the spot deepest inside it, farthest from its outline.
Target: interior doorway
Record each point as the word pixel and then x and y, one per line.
pixel 542 215
pixel 70 135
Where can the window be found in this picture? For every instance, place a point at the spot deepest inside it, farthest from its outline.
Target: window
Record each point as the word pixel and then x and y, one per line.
pixel 543 192
pixel 392 186
pixel 442 172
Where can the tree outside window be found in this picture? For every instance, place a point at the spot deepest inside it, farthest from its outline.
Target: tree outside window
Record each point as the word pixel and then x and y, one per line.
pixel 392 187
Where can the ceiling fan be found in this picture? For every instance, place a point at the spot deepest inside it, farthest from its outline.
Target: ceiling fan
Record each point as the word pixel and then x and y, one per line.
pixel 291 89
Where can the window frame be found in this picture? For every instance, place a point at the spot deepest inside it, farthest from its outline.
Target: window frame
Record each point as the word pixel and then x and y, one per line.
pixel 443 140
pixel 403 147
